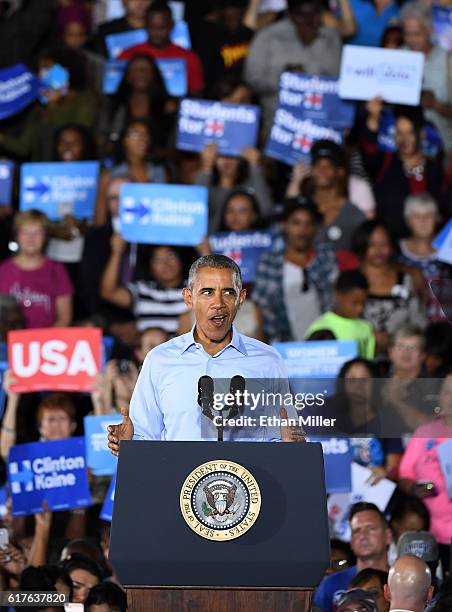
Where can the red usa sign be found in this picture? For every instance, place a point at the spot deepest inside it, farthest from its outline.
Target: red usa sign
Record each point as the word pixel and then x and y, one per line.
pixel 54 359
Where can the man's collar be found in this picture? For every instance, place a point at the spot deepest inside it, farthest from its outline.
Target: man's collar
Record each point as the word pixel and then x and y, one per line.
pixel 236 342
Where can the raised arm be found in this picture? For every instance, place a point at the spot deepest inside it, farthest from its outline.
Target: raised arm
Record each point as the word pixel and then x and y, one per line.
pixel 110 289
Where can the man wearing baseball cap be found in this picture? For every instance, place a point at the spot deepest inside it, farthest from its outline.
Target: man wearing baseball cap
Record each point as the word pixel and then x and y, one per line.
pixel 329 174
pixel 421 544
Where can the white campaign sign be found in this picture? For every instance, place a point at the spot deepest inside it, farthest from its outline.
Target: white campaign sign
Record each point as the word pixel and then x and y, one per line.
pixel 393 74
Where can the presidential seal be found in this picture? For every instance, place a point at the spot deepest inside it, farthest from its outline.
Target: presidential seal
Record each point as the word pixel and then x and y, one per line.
pixel 220 500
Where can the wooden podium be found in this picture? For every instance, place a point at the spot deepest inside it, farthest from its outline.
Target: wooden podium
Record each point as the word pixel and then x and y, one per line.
pixel 166 566
pixel 218 599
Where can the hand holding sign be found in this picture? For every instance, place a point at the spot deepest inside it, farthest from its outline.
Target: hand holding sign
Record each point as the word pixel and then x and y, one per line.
pixel 123 431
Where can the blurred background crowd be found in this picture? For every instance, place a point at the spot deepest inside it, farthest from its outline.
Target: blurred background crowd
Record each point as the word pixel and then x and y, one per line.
pixel 354 258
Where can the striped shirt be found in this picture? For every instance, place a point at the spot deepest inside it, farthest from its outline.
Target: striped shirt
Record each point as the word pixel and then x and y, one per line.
pixel 154 306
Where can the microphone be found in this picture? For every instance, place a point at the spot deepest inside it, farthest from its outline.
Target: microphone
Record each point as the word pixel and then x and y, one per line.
pixel 205 395
pixel 237 386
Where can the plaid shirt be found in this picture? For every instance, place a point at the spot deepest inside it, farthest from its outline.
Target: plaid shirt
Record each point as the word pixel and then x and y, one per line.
pixel 268 293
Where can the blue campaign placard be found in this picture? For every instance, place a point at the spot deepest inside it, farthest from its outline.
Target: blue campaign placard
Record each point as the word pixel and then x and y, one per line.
pixel 431 138
pixel 6 181
pixel 291 138
pixel 163 214
pixel 113 73
pixel 245 248
pixel 444 451
pixel 117 43
pixel 54 472
pixel 337 459
pixel 98 455
pixel 18 88
pixel 180 35
pixel 106 513
pixel 442 26
pixel 314 366
pixel 174 72
pixel 230 126
pixel 316 98
pixel 60 188
pixel 443 234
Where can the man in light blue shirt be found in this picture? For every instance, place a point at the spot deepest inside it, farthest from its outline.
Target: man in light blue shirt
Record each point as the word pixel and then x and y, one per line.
pixel 164 404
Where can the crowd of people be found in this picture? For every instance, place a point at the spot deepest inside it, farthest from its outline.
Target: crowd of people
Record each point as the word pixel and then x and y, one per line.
pixel 354 259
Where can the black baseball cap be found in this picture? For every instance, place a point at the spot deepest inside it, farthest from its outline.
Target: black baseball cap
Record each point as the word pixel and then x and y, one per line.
pixel 328 149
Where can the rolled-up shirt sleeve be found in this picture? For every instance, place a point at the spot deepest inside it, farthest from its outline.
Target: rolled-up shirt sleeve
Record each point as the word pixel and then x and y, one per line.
pixel 145 412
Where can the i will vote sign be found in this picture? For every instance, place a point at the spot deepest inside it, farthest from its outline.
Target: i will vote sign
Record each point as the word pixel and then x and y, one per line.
pixel 245 248
pixel 18 88
pixel 315 98
pixel 106 513
pixel 98 455
pixel 60 188
pixel 229 126
pixel 6 181
pixel 54 472
pixel 55 359
pixel 337 458
pixel 163 214
pixel 291 138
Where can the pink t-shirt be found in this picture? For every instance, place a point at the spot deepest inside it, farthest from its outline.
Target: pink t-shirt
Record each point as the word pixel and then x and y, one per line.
pixel 36 290
pixel 420 462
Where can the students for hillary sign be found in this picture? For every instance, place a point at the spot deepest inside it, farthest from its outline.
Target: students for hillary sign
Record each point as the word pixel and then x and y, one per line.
pixel 54 359
pixel 106 513
pixel 444 451
pixel 337 458
pixel 60 188
pixel 98 455
pixel 315 98
pixel 54 472
pixel 18 88
pixel 230 126
pixel 245 248
pixel 163 214
pixel 291 138
pixel 6 181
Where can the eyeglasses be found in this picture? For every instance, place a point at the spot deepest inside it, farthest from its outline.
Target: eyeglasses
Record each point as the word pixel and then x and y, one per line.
pixel 138 134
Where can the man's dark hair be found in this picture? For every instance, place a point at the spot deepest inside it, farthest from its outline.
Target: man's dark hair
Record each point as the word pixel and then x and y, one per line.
pixel 350 280
pixel 159 6
pixel 107 593
pixel 367 507
pixel 44 578
pixel 361 237
pixel 367 574
pixel 293 205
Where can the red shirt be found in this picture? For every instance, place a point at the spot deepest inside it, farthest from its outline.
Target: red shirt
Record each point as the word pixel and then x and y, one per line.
pixel 195 77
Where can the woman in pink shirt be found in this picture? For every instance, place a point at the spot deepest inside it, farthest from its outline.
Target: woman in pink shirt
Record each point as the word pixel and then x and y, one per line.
pixel 420 470
pixel 41 286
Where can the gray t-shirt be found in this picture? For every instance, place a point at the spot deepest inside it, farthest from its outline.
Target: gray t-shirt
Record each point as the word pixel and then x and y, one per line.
pixel 338 233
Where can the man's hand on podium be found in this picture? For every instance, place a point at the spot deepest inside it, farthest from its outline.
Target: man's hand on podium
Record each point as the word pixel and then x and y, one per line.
pixel 290 433
pixel 123 431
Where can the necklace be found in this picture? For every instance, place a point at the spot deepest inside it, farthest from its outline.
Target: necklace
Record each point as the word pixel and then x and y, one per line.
pixel 415 171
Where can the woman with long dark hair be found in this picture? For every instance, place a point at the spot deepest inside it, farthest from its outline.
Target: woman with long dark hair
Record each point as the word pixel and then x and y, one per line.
pixel 141 95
